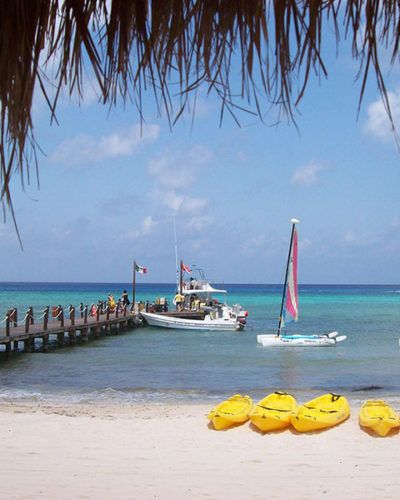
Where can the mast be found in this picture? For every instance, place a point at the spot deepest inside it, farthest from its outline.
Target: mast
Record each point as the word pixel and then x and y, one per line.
pixel 180 278
pixel 176 258
pixel 294 222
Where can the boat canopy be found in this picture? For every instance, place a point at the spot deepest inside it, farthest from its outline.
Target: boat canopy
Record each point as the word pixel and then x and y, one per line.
pixel 204 289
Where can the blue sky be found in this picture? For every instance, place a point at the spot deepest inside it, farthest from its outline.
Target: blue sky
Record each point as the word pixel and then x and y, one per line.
pixel 109 193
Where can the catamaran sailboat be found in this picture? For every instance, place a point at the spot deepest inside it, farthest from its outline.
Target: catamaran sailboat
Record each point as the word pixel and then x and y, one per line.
pixel 290 309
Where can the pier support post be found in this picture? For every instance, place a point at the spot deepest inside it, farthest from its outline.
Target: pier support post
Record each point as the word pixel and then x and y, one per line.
pixel 45 345
pixel 60 339
pixel 84 335
pixel 72 337
pixel 27 345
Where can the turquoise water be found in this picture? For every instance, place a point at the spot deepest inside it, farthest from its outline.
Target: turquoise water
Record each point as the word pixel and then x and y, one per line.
pixel 156 364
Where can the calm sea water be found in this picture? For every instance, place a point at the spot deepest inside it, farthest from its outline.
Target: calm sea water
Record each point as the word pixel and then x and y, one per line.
pixel 166 365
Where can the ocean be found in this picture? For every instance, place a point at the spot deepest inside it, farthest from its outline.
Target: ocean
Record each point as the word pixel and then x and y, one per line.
pixel 159 365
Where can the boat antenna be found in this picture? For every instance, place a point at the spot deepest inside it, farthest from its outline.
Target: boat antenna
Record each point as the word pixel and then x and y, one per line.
pixel 176 258
pixel 294 222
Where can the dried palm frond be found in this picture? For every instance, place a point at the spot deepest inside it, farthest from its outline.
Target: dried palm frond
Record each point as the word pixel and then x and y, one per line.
pixel 133 46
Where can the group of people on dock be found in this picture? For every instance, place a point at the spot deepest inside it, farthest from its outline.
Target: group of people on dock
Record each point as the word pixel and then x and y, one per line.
pixel 112 304
pixel 124 300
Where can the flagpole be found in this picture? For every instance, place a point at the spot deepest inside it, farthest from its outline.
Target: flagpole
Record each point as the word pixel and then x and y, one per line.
pixel 180 279
pixel 134 286
pixel 294 222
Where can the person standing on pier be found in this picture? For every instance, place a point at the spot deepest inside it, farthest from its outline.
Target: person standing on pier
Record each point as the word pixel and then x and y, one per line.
pixel 125 298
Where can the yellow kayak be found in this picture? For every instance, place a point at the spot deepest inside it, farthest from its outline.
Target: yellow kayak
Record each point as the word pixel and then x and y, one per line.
pixel 273 412
pixel 378 416
pixel 322 412
pixel 234 410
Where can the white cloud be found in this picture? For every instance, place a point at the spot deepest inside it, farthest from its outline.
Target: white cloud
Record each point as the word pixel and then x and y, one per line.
pixel 307 175
pixel 179 170
pixel 194 205
pixel 145 228
pixel 197 223
pixel 179 202
pixel 171 199
pixel 148 224
pixel 174 173
pixel 171 176
pixel 378 123
pixel 86 148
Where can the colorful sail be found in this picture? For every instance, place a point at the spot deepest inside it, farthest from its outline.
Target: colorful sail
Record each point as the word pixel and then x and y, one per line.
pixel 291 307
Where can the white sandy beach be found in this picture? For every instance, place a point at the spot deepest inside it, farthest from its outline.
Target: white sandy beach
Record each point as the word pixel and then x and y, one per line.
pixel 170 452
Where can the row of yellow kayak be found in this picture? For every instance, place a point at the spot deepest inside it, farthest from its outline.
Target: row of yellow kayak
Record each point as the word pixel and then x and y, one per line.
pixel 280 410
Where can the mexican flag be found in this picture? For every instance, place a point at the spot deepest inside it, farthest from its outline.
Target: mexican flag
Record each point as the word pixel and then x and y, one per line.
pixel 140 269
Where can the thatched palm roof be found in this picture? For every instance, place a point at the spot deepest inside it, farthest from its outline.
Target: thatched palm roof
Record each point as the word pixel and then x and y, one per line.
pixel 133 46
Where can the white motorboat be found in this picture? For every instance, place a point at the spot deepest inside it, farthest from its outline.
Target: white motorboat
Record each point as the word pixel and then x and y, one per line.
pixel 290 310
pixel 201 292
pixel 200 310
pixel 218 319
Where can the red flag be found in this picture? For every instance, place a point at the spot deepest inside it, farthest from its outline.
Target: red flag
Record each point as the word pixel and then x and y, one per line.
pixel 186 268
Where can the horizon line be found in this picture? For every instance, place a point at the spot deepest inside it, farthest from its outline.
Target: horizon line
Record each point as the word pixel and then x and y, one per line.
pixel 173 283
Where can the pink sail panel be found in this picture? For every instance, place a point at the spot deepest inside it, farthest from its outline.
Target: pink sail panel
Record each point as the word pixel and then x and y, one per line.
pixel 292 300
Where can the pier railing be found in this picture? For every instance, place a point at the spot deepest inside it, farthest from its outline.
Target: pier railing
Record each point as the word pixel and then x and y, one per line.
pixel 74 323
pixel 58 315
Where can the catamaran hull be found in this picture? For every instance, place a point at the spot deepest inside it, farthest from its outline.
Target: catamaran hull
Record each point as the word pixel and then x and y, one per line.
pixel 190 324
pixel 328 340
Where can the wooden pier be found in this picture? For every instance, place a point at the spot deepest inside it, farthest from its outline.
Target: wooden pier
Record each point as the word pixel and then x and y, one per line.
pixel 65 327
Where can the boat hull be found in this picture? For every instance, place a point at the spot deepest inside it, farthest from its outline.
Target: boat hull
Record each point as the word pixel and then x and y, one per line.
pixel 321 413
pixel 379 417
pixel 191 324
pixel 274 411
pixel 328 340
pixel 232 412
